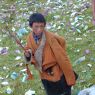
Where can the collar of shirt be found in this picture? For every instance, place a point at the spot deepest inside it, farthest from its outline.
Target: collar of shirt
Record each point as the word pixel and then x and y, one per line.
pixel 37 37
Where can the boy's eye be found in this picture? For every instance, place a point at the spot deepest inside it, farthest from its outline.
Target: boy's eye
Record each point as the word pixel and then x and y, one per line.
pixel 37 27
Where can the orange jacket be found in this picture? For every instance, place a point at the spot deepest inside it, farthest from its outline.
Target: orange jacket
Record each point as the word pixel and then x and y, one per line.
pixel 54 57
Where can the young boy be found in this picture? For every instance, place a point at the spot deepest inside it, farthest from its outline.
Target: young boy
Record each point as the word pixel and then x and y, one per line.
pixel 48 55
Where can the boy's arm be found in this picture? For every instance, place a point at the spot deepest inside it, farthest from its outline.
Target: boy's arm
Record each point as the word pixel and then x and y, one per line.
pixel 27 52
pixel 61 41
pixel 29 56
pixel 59 49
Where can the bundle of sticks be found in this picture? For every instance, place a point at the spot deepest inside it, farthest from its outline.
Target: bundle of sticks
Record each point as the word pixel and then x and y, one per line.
pixel 14 36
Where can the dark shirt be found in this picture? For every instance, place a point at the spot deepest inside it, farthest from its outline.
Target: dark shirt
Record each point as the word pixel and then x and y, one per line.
pixel 37 37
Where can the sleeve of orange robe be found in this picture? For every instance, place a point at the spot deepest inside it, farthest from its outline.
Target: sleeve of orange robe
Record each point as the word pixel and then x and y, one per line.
pixel 59 49
pixel 27 47
pixel 61 41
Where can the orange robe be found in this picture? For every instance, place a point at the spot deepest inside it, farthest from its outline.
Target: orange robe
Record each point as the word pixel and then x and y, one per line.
pixel 54 57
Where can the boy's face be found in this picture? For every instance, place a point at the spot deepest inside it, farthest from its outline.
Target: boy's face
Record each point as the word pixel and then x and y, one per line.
pixel 38 28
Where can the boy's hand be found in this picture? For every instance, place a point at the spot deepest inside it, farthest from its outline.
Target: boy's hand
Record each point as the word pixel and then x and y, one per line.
pixel 27 55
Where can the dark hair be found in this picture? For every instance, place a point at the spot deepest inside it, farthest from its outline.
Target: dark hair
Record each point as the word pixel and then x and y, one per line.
pixel 36 17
